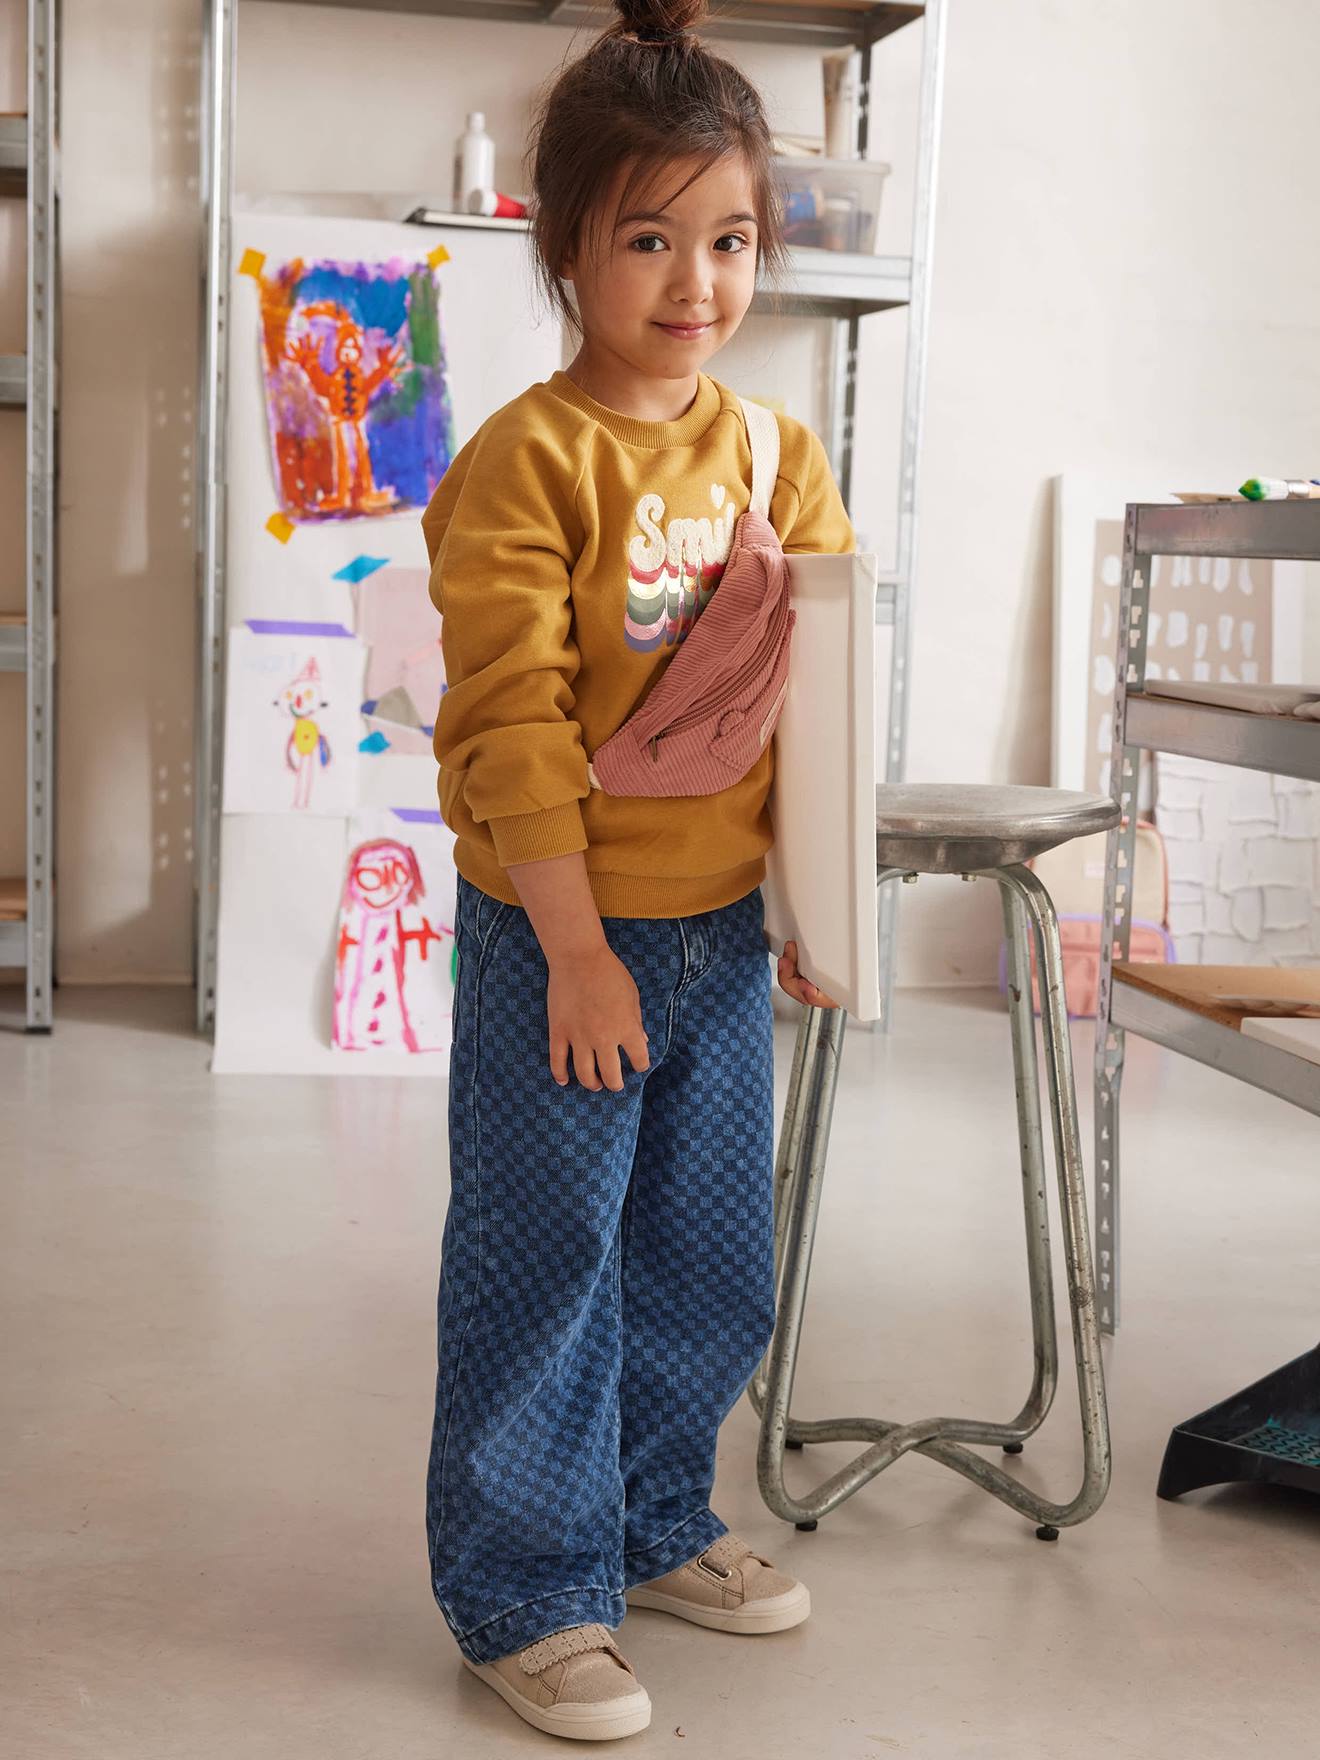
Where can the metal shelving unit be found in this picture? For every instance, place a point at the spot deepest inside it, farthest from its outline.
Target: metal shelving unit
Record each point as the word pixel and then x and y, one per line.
pixel 29 168
pixel 1135 1001
pixel 824 284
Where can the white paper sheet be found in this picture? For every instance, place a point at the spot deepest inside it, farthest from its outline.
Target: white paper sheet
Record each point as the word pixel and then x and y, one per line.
pixel 1301 1037
pixel 293 719
pixel 282 872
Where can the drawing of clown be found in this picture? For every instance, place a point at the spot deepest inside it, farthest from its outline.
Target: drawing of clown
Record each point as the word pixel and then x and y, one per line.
pixel 345 389
pixel 302 698
pixel 371 966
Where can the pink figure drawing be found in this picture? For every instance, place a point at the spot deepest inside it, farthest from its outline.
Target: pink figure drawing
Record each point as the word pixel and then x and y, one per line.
pixel 371 990
pixel 306 743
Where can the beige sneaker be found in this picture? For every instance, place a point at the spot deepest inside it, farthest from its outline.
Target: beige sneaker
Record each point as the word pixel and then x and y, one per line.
pixel 573 1683
pixel 730 1588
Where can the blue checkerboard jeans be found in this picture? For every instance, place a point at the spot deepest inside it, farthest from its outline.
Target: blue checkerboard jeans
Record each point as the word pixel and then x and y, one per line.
pixel 607 1273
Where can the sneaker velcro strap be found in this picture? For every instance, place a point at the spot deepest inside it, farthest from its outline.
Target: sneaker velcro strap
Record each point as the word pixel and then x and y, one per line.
pixel 559 1646
pixel 727 1553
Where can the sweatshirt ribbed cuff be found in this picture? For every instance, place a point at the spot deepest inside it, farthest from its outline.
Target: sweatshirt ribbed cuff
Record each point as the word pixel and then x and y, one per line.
pixel 536 837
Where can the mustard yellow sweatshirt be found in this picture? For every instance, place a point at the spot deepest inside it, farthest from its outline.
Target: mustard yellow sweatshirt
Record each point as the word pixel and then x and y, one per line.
pixel 571 549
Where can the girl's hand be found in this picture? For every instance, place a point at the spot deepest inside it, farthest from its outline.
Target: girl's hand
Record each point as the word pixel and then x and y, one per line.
pixel 594 1009
pixel 795 985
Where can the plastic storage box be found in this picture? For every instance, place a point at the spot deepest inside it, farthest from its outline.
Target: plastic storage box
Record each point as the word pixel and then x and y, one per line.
pixel 832 204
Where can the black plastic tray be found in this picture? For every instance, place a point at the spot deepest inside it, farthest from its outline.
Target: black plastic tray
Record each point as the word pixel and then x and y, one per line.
pixel 1269 1432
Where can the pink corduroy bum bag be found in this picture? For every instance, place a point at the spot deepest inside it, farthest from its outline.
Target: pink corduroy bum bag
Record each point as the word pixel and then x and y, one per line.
pixel 714 709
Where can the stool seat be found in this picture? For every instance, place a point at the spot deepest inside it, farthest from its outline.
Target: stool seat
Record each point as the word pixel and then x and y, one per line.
pixel 959 828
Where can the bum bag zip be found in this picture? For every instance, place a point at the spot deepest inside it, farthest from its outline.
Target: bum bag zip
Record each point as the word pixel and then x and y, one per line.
pixel 710 714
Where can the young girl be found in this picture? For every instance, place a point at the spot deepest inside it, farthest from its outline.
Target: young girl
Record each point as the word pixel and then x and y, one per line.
pixel 607 1277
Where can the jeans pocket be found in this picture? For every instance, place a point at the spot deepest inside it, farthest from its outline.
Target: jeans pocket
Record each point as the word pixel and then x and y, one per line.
pixel 488 915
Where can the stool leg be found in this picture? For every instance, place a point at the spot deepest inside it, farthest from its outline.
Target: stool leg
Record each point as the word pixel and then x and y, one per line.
pixel 822 1044
pixel 1026 1078
pixel 1072 1192
pixel 787 1163
pixel 943 1439
pixel 789 1157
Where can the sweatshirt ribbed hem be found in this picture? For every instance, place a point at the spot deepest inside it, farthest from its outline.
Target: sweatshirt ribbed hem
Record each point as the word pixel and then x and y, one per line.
pixel 686 431
pixel 626 895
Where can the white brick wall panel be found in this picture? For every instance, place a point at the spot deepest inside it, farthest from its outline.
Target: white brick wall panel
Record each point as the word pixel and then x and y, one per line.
pixel 1245 889
pixel 1186 919
pixel 1193 864
pixel 1235 866
pixel 1178 791
pixel 1288 907
pixel 1218 913
pixel 1214 814
pixel 1249 913
pixel 1273 861
pixel 1228 950
pixel 1293 944
pixel 1297 816
pixel 1179 824
pixel 1251 800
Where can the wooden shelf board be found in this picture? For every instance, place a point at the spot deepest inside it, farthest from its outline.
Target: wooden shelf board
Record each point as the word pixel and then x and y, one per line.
pixel 804 20
pixel 1196 987
pixel 13 898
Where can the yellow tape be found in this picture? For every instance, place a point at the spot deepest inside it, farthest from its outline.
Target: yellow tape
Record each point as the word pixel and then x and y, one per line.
pixel 279 527
pixel 252 264
pixel 438 255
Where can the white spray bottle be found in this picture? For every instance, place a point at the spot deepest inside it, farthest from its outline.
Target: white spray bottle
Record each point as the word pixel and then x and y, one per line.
pixel 474 161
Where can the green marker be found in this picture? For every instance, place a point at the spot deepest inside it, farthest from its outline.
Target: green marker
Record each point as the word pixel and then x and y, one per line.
pixel 1279 489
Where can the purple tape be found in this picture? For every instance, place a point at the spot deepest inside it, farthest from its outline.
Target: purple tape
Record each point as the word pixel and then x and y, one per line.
pixel 281 626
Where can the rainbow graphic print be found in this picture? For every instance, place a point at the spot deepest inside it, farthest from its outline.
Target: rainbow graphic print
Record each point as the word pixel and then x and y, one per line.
pixel 674 565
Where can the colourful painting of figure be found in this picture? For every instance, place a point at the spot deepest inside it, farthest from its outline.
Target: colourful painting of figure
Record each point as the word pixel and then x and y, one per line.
pixel 357 392
pixel 394 949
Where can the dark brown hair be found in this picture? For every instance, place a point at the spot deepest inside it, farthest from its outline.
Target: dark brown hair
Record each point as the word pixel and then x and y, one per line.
pixel 646 94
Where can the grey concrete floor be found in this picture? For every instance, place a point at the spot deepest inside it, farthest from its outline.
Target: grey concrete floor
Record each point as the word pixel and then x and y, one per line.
pixel 215 1399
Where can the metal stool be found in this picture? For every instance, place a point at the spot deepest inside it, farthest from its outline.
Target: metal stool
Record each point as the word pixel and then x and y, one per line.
pixel 968 831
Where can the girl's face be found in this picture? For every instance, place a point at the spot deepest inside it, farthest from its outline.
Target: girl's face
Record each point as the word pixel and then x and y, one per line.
pixel 664 289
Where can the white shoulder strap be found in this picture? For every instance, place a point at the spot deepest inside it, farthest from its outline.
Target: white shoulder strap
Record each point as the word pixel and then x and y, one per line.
pixel 763 433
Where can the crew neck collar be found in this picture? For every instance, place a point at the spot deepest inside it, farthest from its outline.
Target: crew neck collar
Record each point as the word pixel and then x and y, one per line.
pixel 683 432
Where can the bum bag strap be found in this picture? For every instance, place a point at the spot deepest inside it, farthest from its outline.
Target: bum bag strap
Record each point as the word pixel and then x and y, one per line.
pixel 763 433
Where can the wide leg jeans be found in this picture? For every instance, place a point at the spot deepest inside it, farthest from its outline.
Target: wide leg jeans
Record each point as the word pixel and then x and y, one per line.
pixel 607 1273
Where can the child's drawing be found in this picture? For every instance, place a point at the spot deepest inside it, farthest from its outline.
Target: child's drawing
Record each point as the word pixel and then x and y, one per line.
pixel 357 394
pixel 400 628
pixel 394 951
pixel 307 745
pixel 292 719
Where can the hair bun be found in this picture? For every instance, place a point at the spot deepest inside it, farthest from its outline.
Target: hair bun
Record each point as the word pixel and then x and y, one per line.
pixel 659 21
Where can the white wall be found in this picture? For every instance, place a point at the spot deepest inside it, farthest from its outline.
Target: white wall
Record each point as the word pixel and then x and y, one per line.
pixel 1124 282
pixel 1125 269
